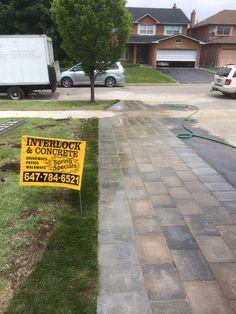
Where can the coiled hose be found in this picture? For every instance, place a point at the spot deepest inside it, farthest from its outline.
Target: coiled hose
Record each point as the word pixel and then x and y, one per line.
pixel 191 133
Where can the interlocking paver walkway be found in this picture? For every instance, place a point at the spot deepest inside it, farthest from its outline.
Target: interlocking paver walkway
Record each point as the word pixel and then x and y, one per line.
pixel 167 224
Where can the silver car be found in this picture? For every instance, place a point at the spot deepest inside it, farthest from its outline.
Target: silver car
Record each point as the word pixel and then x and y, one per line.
pixel 114 76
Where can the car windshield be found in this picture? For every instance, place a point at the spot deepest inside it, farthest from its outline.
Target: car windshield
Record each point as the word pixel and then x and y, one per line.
pixel 224 71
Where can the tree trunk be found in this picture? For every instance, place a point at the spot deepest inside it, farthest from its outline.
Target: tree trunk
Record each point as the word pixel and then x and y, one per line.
pixel 92 89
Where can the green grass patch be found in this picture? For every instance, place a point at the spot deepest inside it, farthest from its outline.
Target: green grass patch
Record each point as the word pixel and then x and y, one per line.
pixel 211 69
pixel 54 105
pixel 140 74
pixel 48 249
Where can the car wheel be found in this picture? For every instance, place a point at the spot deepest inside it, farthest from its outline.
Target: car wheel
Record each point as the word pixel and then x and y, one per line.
pixel 66 82
pixel 110 81
pixel 15 93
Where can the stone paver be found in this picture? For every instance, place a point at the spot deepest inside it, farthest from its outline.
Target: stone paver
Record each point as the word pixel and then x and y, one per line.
pixel 179 238
pixel 153 250
pixel 226 275
pixel 215 249
pixel 172 307
pixel 192 265
pixel 228 232
pixel 200 225
pixel 166 223
pixel 207 298
pixel 163 283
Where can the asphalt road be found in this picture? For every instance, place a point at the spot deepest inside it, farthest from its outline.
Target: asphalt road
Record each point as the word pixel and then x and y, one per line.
pixel 188 76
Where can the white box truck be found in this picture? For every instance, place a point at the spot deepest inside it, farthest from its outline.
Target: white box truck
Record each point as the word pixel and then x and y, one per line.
pixel 26 65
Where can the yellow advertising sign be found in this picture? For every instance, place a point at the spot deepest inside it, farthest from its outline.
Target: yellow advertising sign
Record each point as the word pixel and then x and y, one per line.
pixel 51 162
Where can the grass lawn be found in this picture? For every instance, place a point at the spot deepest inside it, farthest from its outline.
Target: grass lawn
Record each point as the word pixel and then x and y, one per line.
pixel 211 69
pixel 137 74
pixel 48 250
pixel 54 105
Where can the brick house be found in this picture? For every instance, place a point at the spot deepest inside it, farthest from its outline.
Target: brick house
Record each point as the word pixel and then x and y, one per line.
pixel 219 33
pixel 159 37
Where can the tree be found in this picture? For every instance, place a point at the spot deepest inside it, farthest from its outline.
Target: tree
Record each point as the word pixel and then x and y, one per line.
pixel 29 17
pixel 94 32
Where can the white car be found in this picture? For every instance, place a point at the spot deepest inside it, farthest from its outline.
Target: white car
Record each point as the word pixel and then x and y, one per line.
pixel 225 80
pixel 114 76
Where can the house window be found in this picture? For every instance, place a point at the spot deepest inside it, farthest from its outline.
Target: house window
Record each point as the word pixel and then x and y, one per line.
pixel 173 30
pixel 223 30
pixel 146 30
pixel 125 54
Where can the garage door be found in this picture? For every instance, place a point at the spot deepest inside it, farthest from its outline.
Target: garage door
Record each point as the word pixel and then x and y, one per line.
pixel 227 56
pixel 180 55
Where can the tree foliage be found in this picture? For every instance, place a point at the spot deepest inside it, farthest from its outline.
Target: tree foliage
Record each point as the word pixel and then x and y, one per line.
pixel 94 32
pixel 28 17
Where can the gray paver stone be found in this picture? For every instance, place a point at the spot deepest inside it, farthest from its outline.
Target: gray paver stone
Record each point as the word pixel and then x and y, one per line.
pixel 192 265
pixel 215 249
pixel 206 298
pixel 179 238
pixel 199 225
pixel 229 234
pixel 226 275
pixel 163 283
pixel 125 303
pixel 171 307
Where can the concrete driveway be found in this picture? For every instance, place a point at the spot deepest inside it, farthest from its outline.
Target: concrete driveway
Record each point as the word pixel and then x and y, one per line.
pixel 188 76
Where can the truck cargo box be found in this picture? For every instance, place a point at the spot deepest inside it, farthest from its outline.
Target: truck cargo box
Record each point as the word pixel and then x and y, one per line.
pixel 27 63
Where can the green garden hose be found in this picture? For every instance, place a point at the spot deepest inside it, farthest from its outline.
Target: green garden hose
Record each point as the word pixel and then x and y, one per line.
pixel 191 133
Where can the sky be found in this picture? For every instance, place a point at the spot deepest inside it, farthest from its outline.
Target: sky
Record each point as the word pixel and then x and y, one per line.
pixel 204 8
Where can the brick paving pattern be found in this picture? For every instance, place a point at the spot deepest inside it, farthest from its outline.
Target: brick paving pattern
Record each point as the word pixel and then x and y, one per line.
pixel 167 223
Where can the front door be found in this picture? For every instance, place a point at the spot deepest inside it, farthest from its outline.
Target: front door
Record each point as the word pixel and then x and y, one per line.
pixel 142 54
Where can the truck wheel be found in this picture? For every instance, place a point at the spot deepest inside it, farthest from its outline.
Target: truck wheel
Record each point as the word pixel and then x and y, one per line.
pixel 15 93
pixel 110 81
pixel 66 82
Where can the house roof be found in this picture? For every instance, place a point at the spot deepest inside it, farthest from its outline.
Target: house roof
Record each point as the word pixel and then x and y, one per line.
pixel 156 39
pixel 180 35
pixel 223 40
pixel 225 17
pixel 144 39
pixel 162 16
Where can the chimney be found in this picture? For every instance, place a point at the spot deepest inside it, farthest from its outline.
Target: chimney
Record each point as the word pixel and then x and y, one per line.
pixel 174 6
pixel 193 18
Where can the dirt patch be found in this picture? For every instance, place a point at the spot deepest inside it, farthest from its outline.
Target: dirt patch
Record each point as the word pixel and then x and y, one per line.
pixel 16 145
pixel 4 298
pixel 11 145
pixel 25 259
pixel 26 213
pixel 45 127
pixel 11 167
pixel 63 120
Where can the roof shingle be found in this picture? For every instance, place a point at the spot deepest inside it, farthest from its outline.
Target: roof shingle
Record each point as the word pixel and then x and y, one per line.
pixel 225 17
pixel 163 16
pixel 144 39
pixel 223 40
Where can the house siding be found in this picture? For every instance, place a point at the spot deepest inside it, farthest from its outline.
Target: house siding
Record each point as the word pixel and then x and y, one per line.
pixel 200 33
pixel 209 32
pixel 209 55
